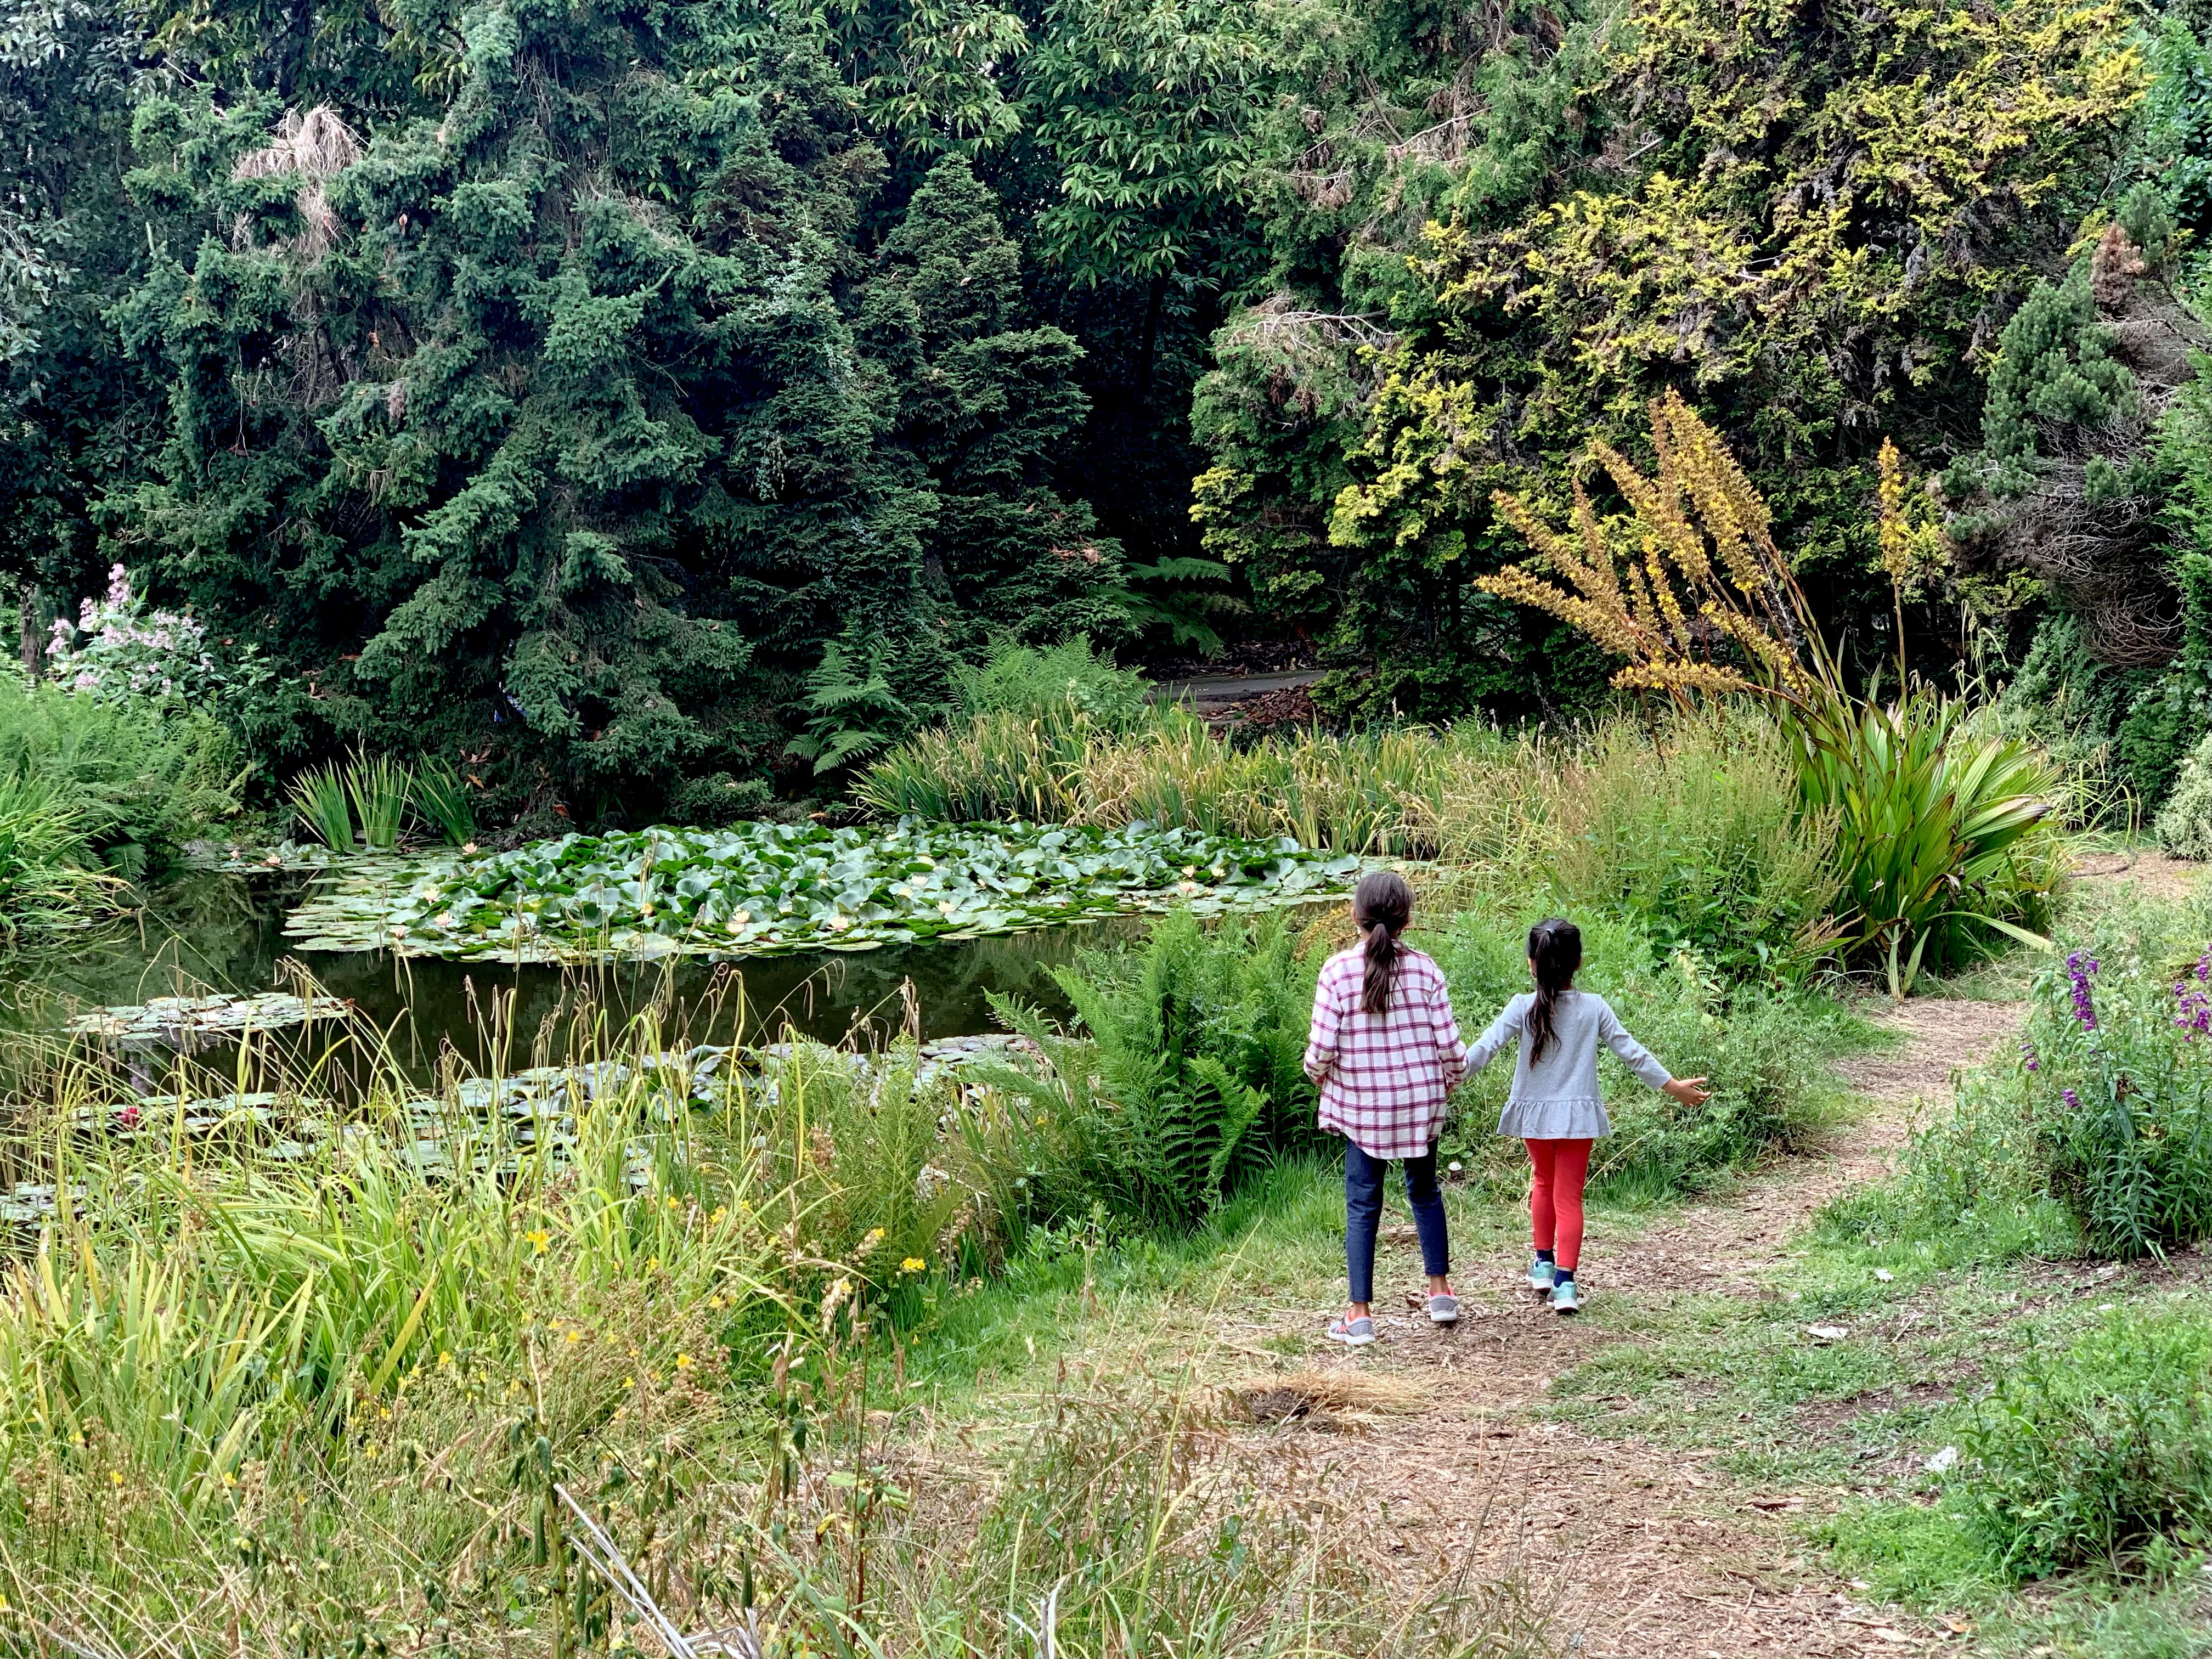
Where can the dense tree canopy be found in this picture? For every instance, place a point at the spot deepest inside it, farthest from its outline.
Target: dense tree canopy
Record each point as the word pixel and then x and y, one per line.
pixel 591 392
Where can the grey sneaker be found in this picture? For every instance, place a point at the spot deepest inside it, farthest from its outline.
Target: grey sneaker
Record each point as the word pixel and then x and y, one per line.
pixel 1443 1311
pixel 1541 1274
pixel 1564 1300
pixel 1352 1332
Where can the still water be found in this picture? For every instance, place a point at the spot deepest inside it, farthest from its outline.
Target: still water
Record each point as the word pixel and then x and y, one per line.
pixel 226 933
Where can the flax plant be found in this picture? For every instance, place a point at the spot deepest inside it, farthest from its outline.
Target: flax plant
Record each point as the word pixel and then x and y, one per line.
pixel 1945 835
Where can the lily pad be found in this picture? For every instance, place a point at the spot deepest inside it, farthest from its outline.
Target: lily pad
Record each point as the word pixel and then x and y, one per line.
pixel 762 888
pixel 181 1022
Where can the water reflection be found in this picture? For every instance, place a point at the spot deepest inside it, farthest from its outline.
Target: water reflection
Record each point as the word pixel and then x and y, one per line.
pixel 225 932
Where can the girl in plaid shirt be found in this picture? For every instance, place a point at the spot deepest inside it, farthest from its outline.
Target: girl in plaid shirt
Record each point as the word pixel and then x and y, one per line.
pixel 1386 1052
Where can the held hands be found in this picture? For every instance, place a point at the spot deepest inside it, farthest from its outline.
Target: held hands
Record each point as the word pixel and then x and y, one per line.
pixel 1690 1091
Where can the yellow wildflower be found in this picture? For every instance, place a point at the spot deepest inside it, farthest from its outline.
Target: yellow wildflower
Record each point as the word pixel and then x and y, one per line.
pixel 539 1237
pixel 913 1264
pixel 683 1361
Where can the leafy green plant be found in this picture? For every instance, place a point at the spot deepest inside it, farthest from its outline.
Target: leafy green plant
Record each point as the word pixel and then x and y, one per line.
pixel 1186 1076
pixel 380 788
pixel 141 774
pixel 2098 1455
pixel 323 806
pixel 851 711
pixel 2115 1078
pixel 441 795
pixel 1028 681
pixel 1944 835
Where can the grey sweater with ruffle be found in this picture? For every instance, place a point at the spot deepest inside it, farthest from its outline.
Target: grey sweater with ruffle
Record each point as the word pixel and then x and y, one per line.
pixel 1557 1097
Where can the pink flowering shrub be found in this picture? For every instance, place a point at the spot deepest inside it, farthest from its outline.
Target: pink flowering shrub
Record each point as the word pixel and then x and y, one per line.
pixel 118 649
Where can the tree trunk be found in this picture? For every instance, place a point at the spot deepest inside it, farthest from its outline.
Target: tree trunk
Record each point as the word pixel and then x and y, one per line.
pixel 1153 300
pixel 26 643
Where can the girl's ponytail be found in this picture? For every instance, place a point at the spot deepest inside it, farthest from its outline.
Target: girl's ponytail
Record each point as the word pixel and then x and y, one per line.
pixel 1555 951
pixel 1380 906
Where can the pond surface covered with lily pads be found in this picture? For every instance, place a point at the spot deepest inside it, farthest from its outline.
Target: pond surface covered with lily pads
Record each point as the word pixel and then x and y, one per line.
pixel 742 931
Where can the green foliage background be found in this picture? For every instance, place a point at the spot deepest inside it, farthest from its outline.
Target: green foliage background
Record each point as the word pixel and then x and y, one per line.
pixel 644 403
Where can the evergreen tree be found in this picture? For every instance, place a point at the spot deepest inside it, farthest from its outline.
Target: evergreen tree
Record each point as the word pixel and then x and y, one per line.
pixel 541 418
pixel 986 404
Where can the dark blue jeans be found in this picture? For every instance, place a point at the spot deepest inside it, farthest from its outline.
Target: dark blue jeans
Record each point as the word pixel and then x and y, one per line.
pixel 1363 1214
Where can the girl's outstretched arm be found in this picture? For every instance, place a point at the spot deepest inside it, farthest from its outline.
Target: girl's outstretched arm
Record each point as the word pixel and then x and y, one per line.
pixel 1641 1060
pixel 1450 1050
pixel 1503 1030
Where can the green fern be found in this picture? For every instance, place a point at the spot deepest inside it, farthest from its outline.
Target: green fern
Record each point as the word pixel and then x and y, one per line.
pixel 851 715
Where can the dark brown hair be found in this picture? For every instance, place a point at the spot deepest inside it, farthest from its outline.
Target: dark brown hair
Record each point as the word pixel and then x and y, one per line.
pixel 1381 905
pixel 1555 951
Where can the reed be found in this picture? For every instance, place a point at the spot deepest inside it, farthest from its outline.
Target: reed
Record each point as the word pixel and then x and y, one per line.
pixel 323 806
pixel 379 788
pixel 441 795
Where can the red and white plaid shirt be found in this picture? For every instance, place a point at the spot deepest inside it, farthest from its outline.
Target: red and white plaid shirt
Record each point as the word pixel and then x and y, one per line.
pixel 1385 1076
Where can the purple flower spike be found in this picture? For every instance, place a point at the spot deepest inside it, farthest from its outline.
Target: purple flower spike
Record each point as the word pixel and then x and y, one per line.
pixel 2081 969
pixel 2073 1101
pixel 2027 1054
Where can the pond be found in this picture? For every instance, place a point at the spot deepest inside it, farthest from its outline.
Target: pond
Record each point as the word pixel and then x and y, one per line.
pixel 225 932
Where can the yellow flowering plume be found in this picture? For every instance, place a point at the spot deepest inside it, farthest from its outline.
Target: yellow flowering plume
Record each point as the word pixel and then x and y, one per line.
pixel 1691 589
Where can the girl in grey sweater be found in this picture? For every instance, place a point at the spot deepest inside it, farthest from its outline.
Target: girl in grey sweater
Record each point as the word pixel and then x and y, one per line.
pixel 1555 1107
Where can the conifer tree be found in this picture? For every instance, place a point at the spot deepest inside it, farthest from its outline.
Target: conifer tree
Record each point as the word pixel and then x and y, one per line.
pixel 985 403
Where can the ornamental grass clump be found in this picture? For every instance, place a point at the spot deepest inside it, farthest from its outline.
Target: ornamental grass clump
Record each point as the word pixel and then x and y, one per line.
pixel 1947 834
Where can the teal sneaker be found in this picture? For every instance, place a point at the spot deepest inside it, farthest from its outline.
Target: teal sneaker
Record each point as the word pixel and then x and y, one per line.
pixel 1541 1274
pixel 1564 1300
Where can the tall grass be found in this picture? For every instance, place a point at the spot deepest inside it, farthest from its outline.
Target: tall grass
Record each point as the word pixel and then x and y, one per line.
pixel 441 795
pixel 274 1380
pixel 1381 793
pixel 323 806
pixel 1700 837
pixel 379 788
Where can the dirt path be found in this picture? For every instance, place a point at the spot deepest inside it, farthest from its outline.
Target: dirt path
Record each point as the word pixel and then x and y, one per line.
pixel 1641 1555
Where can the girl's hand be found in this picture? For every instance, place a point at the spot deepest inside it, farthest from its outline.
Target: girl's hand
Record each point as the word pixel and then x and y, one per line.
pixel 1690 1091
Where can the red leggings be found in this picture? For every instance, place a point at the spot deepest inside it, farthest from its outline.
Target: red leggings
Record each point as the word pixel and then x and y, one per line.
pixel 1555 1196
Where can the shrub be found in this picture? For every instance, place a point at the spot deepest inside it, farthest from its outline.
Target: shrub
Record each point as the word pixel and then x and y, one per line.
pixel 2116 1081
pixel 1188 1078
pixel 2184 825
pixel 138 779
pixel 2099 1455
pixel 1947 834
